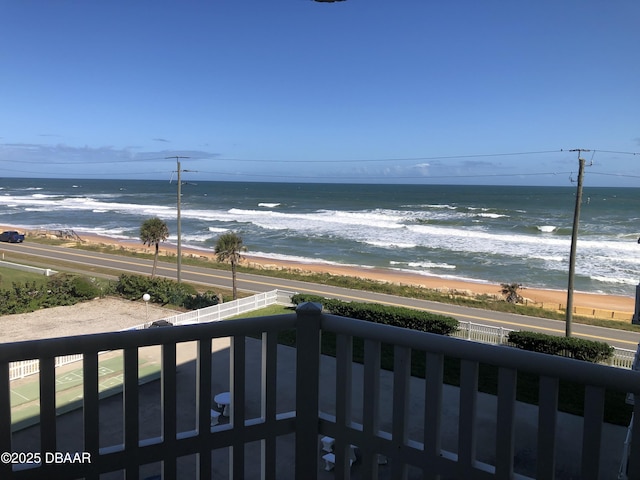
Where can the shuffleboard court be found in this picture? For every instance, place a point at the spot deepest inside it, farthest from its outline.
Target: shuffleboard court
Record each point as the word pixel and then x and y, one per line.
pixel 25 393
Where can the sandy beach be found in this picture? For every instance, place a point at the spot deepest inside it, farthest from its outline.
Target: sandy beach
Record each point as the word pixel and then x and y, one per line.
pixel 607 306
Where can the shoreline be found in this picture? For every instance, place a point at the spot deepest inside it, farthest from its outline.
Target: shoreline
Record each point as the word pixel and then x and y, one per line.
pixel 547 297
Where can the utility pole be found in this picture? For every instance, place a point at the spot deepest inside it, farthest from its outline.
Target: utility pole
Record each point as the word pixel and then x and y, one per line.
pixel 179 252
pixel 574 241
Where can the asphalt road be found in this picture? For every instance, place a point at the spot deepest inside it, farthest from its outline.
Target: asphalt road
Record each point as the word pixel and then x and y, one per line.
pixel 89 262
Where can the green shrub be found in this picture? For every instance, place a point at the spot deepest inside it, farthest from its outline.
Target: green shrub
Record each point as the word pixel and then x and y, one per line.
pixel 388 315
pixel 578 348
pixel 299 298
pixel 84 288
pixel 132 287
pixel 58 290
pixel 201 300
pixel 164 291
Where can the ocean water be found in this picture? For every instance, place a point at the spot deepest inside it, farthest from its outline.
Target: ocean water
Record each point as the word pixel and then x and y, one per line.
pixel 481 233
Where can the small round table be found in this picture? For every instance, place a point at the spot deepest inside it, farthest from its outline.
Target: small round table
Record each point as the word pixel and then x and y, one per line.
pixel 223 400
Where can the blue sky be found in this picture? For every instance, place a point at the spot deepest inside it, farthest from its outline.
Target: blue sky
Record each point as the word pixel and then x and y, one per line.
pixel 377 91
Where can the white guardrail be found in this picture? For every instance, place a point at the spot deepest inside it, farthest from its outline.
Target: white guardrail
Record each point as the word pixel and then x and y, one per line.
pixel 476 332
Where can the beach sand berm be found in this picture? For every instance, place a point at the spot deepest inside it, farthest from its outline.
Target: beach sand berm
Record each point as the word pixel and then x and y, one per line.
pixel 603 306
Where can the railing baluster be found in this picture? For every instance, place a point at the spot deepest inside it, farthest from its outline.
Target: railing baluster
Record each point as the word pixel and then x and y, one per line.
pixel 400 408
pixel 467 437
pixel 592 431
pixel 371 408
pixel 131 405
pixel 268 406
pixel 547 422
pixel 344 375
pixel 433 412
pixel 48 433
pixel 169 409
pixel 505 428
pixel 237 406
pixel 203 407
pixel 90 409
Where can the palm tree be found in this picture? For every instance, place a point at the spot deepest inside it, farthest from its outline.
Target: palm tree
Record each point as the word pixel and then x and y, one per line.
pixel 228 248
pixel 152 232
pixel 510 292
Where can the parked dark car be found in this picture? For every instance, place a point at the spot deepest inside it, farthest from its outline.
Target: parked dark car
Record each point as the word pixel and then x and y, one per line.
pixel 11 237
pixel 160 323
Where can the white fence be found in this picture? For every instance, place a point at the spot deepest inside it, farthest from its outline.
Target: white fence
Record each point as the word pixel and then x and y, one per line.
pixel 27 268
pixel 227 310
pixel 209 314
pixel 622 358
pixel 31 367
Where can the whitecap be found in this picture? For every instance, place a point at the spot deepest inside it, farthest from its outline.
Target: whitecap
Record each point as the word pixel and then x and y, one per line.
pixel 445 266
pixel 547 228
pixel 549 258
pixel 44 195
pixel 300 259
pixel 268 205
pixel 445 206
pixel 621 281
pixel 427 265
pixel 392 245
pixel 200 238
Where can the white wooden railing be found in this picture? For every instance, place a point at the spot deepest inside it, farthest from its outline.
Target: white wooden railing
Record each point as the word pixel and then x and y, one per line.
pixel 377 422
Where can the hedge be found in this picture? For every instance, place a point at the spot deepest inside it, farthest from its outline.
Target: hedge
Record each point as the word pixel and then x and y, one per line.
pixel 164 291
pixel 578 348
pixel 397 316
pixel 59 290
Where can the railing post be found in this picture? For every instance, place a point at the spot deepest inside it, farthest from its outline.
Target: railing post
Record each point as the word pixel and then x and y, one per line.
pixel 307 388
pixel 5 418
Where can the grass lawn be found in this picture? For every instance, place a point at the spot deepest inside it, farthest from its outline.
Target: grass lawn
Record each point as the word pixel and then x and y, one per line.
pixel 267 311
pixel 9 276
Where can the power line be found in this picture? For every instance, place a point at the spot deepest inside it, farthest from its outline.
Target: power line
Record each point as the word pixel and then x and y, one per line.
pixel 399 177
pixel 619 153
pixel 394 159
pixel 359 177
pixel 101 174
pixel 623 175
pixel 325 161
pixel 265 160
pixel 83 162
